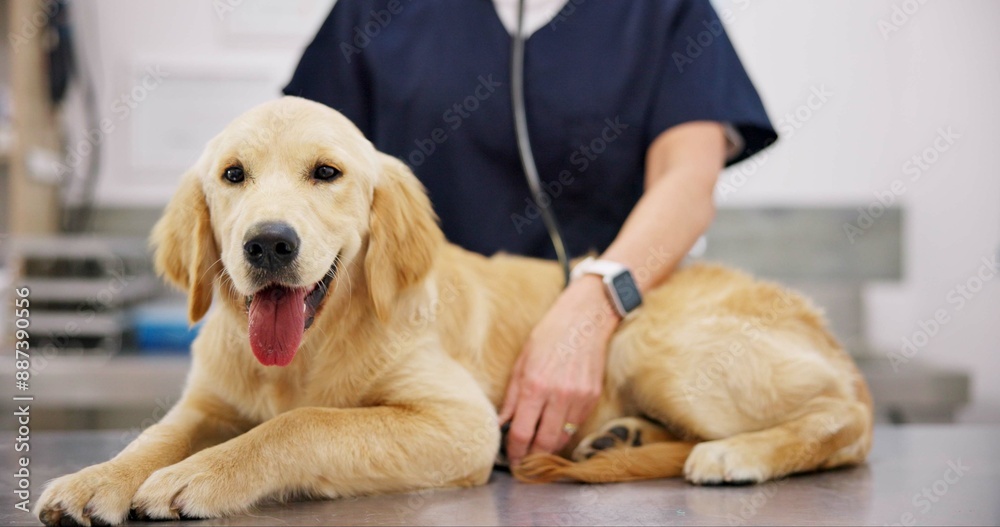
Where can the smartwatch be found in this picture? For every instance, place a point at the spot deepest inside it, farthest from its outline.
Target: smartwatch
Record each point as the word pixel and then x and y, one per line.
pixel 618 282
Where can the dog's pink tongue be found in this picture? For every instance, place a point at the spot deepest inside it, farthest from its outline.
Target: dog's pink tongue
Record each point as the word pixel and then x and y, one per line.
pixel 276 324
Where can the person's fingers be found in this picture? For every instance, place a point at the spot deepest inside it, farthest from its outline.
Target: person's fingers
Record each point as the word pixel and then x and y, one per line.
pixel 510 401
pixel 531 401
pixel 549 436
pixel 581 400
pixel 578 412
pixel 513 390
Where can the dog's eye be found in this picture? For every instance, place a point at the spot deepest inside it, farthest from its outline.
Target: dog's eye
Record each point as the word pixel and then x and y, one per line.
pixel 326 173
pixel 234 175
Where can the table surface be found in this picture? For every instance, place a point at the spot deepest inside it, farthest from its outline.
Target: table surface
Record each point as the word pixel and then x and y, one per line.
pixel 916 475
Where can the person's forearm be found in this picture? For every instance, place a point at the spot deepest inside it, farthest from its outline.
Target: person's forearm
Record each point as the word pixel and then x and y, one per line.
pixel 682 166
pixel 664 225
pixel 565 356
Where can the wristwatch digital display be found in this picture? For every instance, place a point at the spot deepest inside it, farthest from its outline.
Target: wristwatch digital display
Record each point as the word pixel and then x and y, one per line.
pixel 618 282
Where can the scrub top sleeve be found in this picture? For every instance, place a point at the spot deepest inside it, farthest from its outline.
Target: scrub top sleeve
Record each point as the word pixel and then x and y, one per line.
pixel 702 79
pixel 332 69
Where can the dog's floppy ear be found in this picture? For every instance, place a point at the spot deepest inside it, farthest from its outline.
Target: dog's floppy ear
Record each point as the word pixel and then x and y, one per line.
pixel 186 253
pixel 404 236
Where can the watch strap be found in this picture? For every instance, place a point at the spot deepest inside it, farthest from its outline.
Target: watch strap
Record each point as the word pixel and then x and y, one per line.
pixel 615 276
pixel 591 265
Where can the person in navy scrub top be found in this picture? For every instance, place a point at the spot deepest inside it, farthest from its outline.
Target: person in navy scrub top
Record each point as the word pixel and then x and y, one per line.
pixel 633 110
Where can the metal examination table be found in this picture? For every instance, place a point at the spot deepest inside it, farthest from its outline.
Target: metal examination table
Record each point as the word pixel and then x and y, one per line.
pixel 916 475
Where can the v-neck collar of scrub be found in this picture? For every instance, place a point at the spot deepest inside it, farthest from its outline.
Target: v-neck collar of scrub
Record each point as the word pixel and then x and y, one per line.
pixel 538 14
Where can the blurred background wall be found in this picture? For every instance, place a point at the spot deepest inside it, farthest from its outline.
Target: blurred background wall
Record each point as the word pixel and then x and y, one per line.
pixel 880 103
pixel 898 82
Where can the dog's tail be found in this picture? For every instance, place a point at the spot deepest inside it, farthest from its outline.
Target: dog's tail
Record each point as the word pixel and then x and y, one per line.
pixel 657 460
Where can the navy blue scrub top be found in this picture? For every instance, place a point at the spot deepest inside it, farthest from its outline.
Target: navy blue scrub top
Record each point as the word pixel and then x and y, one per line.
pixel 428 81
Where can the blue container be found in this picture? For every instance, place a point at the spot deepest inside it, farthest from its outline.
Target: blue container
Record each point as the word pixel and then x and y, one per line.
pixel 161 327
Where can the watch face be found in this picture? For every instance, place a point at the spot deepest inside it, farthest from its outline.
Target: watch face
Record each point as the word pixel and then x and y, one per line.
pixel 627 291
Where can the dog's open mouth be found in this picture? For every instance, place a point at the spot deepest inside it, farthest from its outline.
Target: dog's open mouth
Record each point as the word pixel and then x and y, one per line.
pixel 279 316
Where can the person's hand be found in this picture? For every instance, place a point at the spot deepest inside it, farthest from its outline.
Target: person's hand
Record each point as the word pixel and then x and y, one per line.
pixel 557 379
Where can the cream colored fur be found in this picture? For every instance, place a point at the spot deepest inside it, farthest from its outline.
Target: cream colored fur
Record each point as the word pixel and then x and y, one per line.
pixel 395 387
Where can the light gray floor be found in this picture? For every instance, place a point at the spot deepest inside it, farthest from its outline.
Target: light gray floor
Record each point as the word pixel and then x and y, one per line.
pixel 909 480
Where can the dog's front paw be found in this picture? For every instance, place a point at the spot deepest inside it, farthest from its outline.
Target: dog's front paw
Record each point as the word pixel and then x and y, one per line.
pixel 724 462
pixel 202 486
pixel 97 495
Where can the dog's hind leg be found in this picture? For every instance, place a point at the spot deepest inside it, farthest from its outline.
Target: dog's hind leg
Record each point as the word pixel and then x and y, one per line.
pixel 827 432
pixel 764 410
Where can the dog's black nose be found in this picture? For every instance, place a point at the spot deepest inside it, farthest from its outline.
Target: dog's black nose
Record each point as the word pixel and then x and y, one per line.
pixel 271 246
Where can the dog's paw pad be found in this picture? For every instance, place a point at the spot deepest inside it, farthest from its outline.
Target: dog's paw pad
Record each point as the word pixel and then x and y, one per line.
pixel 68 521
pixel 603 443
pixel 618 433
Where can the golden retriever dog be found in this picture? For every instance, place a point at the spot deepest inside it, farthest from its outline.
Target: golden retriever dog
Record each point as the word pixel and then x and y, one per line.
pixel 351 350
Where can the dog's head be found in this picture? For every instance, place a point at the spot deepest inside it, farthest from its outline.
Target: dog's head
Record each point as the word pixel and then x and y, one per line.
pixel 280 203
